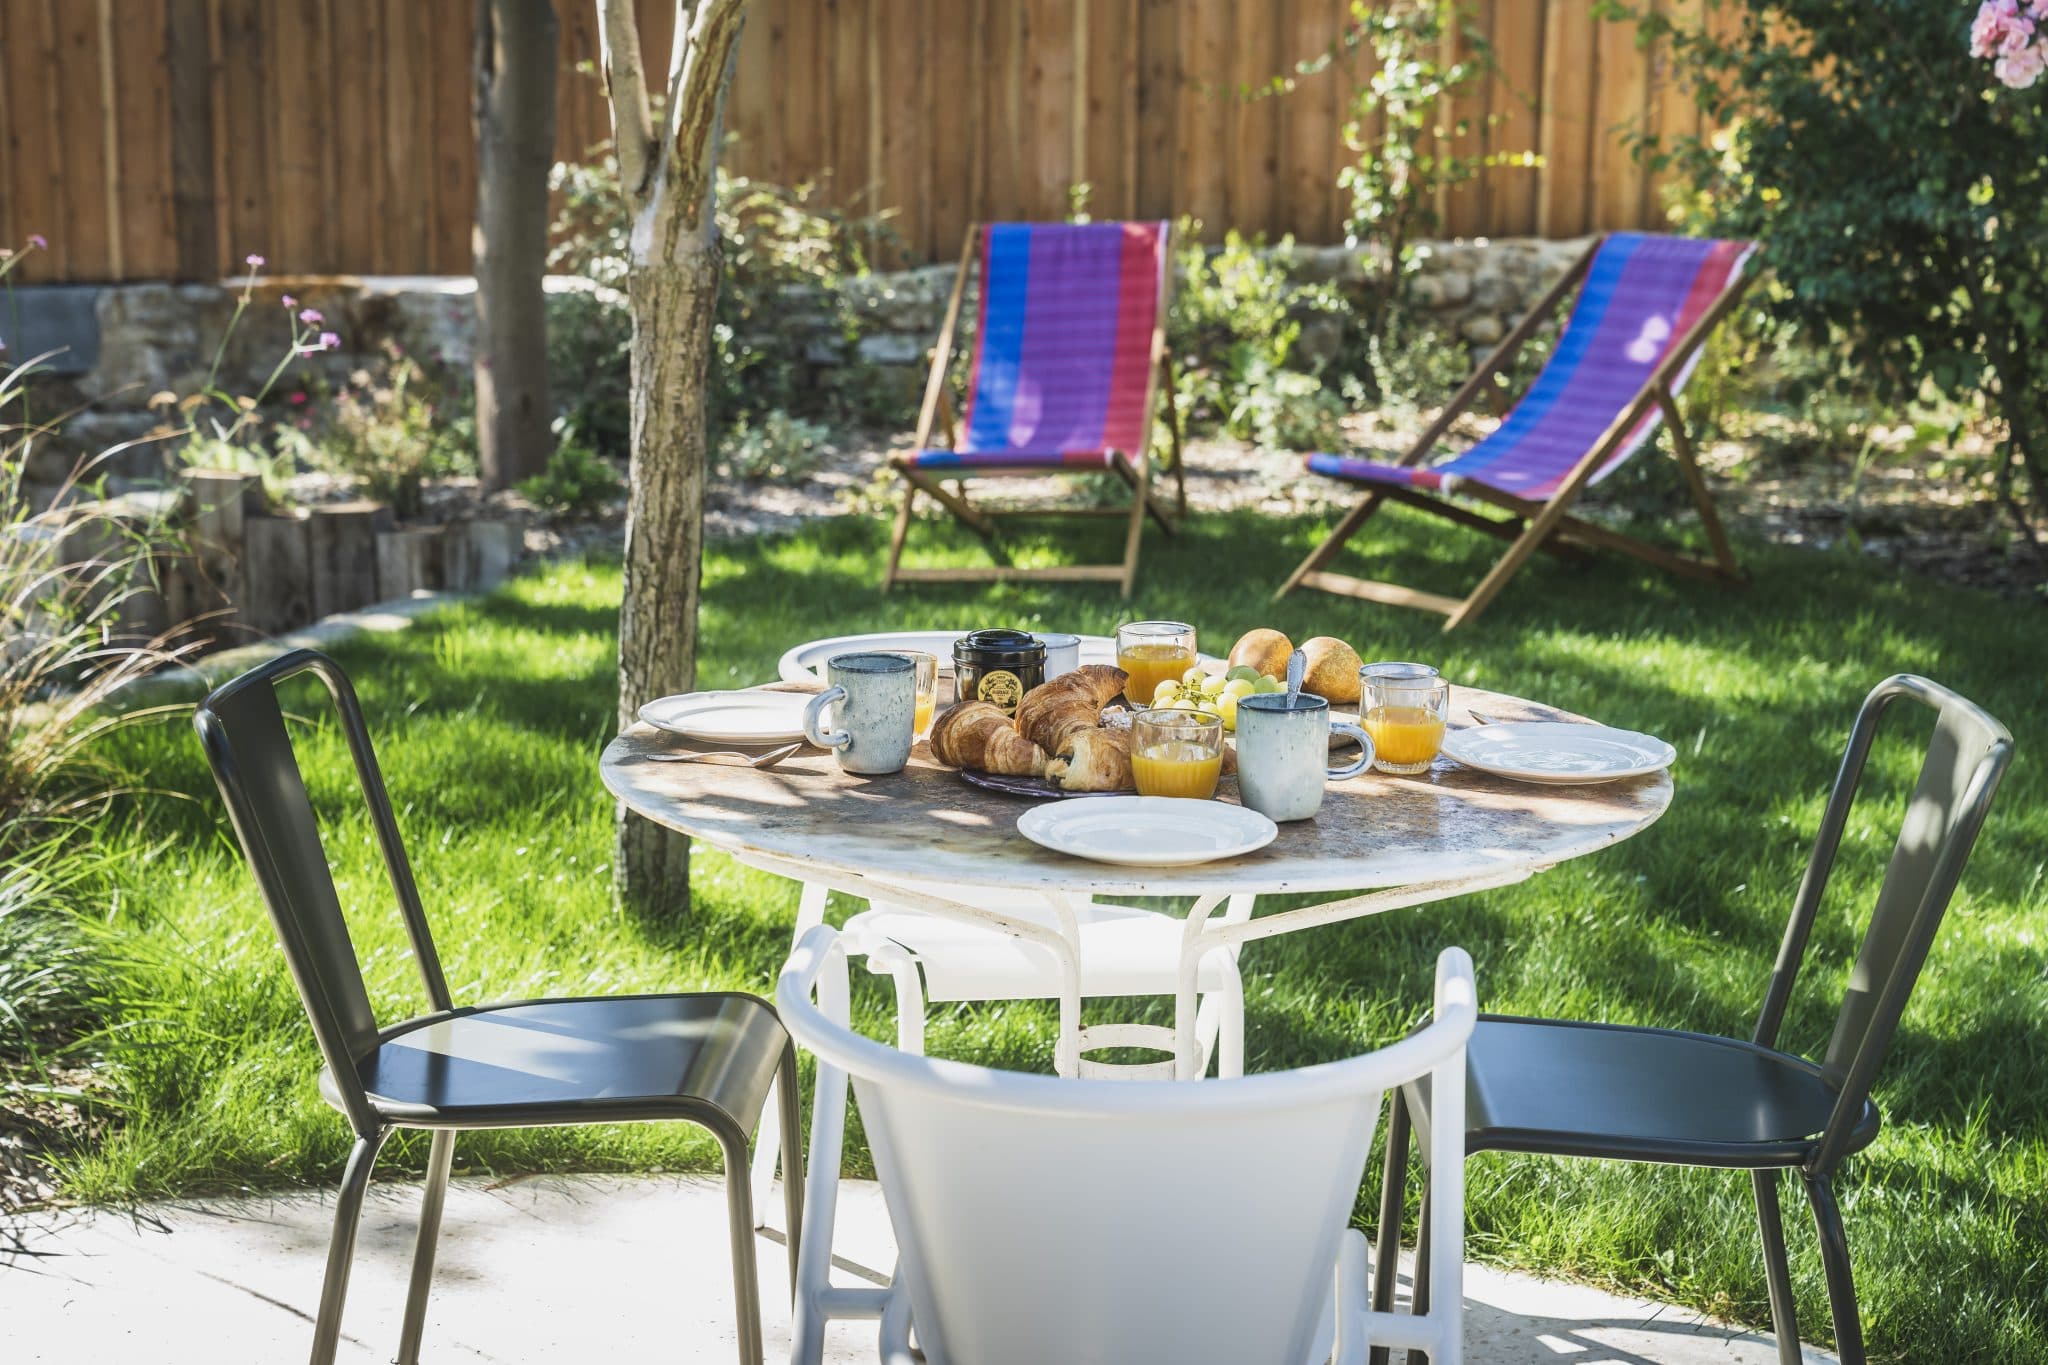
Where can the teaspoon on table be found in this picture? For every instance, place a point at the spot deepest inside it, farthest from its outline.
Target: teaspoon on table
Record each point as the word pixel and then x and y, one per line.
pixel 767 760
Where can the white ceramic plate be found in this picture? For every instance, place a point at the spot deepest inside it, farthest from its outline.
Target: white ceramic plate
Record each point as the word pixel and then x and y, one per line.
pixel 806 662
pixel 1558 752
pixel 731 717
pixel 1147 831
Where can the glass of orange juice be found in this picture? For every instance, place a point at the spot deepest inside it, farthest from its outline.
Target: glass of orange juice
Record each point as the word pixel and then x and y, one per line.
pixel 1153 652
pixel 1403 708
pixel 1176 752
pixel 927 666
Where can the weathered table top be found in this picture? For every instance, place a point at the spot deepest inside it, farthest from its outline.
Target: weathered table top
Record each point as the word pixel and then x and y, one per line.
pixel 925 824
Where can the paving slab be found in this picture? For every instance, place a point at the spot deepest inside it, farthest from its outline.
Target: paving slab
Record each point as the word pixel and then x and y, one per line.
pixel 577 1269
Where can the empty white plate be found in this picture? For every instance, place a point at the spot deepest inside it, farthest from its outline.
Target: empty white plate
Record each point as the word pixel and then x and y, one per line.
pixel 1558 752
pixel 731 717
pixel 806 662
pixel 1147 831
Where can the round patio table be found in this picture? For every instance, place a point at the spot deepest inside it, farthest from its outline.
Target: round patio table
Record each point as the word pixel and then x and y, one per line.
pixel 926 840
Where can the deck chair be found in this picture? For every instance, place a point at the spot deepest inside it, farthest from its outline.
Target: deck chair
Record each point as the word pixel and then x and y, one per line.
pixel 1634 335
pixel 1069 359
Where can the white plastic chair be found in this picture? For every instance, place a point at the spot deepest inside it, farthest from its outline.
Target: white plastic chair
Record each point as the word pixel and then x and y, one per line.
pixel 1042 1218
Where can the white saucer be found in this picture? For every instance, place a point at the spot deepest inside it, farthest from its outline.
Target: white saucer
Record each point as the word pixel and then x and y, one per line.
pixel 1147 831
pixel 731 717
pixel 1557 752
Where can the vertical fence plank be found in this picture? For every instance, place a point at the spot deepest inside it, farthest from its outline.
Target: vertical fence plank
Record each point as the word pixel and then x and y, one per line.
pixel 847 104
pixel 80 140
pixel 901 36
pixel 143 114
pixel 1047 61
pixel 195 196
pixel 1351 70
pixel 1564 200
pixel 356 130
pixel 954 128
pixel 1308 125
pixel 1003 130
pixel 1252 197
pixel 1518 126
pixel 1201 172
pixel 407 154
pixel 454 146
pixel 1110 79
pixel 1157 132
pixel 1462 209
pixel 1621 104
pixel 1675 113
pixel 804 146
pixel 244 115
pixel 36 169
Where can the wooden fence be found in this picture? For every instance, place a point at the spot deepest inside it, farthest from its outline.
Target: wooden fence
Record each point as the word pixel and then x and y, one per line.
pixel 167 138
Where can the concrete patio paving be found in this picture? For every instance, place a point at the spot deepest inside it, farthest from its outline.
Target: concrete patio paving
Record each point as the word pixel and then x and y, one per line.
pixel 585 1269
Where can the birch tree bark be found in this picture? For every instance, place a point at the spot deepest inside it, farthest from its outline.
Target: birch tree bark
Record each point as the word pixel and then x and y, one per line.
pixel 668 175
pixel 515 61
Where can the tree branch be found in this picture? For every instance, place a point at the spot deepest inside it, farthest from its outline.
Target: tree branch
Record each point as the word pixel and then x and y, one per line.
pixel 625 80
pixel 699 68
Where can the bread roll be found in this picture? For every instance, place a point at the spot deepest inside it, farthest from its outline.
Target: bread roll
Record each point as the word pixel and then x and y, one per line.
pixel 1097 760
pixel 1053 712
pixel 978 735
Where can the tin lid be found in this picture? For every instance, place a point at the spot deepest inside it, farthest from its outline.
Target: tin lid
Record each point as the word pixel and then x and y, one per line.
pixel 998 649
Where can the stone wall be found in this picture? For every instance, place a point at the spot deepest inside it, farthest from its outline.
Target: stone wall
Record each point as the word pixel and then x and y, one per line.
pixel 123 344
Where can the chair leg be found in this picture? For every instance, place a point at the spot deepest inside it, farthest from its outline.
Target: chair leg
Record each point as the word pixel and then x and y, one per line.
pixel 1419 1304
pixel 440 1156
pixel 341 1245
pixel 1230 1029
pixel 1834 1258
pixel 893 958
pixel 746 1277
pixel 810 912
pixel 899 535
pixel 1333 542
pixel 790 1103
pixel 1386 1264
pixel 1777 1271
pixel 1141 503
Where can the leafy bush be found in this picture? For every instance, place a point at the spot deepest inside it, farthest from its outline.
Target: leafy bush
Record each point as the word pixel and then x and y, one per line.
pixel 392 432
pixel 577 480
pixel 590 346
pixel 1234 327
pixel 778 448
pixel 1899 194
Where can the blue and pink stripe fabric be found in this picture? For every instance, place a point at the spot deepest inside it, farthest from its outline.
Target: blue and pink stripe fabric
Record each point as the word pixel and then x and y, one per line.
pixel 1063 351
pixel 1642 294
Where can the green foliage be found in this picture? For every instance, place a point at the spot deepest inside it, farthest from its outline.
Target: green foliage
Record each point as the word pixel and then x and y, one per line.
pixel 1234 328
pixel 775 448
pixel 1898 192
pixel 392 432
pixel 774 238
pixel 590 353
pixel 577 480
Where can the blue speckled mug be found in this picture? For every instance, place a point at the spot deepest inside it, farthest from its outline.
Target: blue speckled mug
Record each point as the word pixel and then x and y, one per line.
pixel 1283 753
pixel 876 696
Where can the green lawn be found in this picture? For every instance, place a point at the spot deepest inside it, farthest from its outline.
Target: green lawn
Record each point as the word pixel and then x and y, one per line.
pixel 491 716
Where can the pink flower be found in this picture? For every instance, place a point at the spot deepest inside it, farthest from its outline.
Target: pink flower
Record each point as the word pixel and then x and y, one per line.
pixel 38 241
pixel 253 261
pixel 2019 70
pixel 310 316
pixel 329 342
pixel 289 302
pixel 297 398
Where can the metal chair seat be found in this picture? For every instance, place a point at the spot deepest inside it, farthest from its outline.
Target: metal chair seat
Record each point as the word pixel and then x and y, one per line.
pixel 1643 1094
pixel 616 1059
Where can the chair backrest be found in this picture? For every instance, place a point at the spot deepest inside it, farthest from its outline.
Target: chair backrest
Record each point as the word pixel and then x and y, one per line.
pixel 242 729
pixel 1065 345
pixel 1643 296
pixel 1966 756
pixel 1041 1218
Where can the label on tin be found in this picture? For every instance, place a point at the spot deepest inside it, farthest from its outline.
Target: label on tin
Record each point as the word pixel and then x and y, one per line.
pixel 1000 687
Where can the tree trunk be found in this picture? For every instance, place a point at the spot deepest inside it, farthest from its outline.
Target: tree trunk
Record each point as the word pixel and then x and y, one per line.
pixel 674 301
pixel 515 129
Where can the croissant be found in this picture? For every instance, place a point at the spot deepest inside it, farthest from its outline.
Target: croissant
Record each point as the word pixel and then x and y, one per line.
pixel 1052 713
pixel 1097 760
pixel 979 736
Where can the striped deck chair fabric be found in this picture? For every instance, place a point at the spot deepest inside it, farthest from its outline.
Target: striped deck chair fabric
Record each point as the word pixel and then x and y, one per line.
pixel 1642 295
pixel 1063 363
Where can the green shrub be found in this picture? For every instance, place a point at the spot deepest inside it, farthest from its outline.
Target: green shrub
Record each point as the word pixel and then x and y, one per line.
pixel 391 432
pixel 590 353
pixel 777 448
pixel 577 480
pixel 1900 194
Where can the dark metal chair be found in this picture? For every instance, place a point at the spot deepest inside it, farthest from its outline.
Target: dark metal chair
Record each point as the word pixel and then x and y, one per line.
pixel 1642 1094
pixel 709 1058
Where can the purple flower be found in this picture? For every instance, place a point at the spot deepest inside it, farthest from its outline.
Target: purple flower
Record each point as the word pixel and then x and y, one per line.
pixel 253 261
pixel 310 316
pixel 329 342
pixel 289 301
pixel 38 241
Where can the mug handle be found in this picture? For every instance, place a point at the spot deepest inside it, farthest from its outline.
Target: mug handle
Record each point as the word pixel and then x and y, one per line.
pixel 1345 727
pixel 814 717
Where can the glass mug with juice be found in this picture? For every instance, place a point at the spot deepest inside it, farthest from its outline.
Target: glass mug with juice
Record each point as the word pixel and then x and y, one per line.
pixel 1153 652
pixel 1403 707
pixel 1176 752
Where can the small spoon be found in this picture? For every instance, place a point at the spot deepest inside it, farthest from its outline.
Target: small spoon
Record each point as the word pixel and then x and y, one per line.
pixel 767 760
pixel 1297 669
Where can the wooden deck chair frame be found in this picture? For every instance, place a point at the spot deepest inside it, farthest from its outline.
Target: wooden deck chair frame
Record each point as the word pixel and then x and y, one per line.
pixel 1547 525
pixel 1134 468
